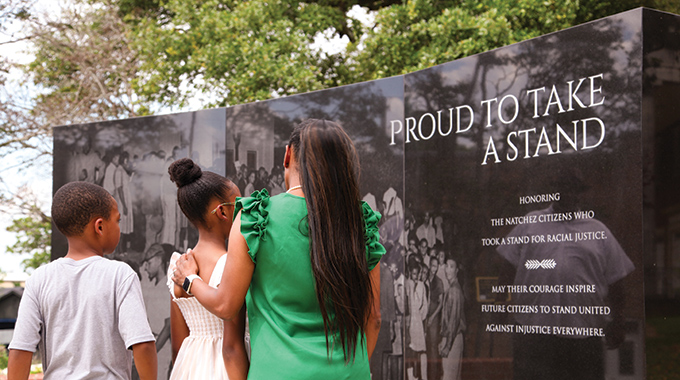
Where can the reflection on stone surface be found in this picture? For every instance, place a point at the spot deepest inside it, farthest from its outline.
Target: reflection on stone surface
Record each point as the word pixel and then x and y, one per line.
pixel 486 133
pixel 661 180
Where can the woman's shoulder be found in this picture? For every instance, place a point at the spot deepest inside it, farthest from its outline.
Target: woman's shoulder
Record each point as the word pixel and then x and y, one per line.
pixel 253 202
pixel 261 200
pixel 370 216
pixel 374 249
pixel 257 208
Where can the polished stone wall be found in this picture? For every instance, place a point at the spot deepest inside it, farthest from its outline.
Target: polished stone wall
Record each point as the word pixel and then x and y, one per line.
pixel 529 198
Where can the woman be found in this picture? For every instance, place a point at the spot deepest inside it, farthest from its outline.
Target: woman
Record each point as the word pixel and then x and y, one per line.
pixel 198 346
pixel 309 257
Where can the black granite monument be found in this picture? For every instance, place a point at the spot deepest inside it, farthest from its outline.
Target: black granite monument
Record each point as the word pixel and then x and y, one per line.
pixel 529 194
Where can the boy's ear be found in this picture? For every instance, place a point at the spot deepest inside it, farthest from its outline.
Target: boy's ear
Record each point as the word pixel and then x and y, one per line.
pixel 99 226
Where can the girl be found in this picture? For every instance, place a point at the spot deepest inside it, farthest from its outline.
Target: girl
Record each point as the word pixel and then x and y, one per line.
pixel 198 347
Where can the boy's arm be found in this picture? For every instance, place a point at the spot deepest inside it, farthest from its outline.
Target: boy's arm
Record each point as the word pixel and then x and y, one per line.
pixel 133 327
pixel 19 366
pixel 146 360
pixel 234 348
pixel 27 329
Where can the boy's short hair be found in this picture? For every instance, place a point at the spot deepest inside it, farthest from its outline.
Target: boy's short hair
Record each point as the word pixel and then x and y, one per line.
pixel 76 203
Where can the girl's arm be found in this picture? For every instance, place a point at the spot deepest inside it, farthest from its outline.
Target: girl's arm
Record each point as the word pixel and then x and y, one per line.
pixel 374 319
pixel 234 348
pixel 225 301
pixel 178 328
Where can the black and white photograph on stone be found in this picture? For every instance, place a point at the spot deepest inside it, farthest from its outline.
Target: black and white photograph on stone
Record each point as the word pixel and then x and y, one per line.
pixel 130 159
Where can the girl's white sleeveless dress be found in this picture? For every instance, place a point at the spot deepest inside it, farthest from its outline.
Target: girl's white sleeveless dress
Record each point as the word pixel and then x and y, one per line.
pixel 200 356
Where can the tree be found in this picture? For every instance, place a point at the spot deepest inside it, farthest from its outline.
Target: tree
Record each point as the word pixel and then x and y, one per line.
pixel 13 10
pixel 84 63
pixel 419 34
pixel 238 51
pixel 34 234
pixel 83 71
pixel 33 228
pixel 243 51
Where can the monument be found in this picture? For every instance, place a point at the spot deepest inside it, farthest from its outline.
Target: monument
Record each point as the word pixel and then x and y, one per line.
pixel 529 198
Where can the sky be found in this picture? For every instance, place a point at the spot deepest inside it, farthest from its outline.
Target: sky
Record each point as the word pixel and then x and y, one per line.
pixel 40 179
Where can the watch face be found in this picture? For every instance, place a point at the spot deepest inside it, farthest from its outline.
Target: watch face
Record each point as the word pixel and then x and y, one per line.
pixel 186 284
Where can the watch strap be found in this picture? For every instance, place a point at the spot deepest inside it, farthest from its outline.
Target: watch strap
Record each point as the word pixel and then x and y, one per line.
pixel 188 281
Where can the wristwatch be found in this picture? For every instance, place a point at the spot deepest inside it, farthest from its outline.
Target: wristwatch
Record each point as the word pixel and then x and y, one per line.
pixel 187 283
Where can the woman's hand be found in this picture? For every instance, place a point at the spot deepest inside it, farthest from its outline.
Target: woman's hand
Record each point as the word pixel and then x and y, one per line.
pixel 186 265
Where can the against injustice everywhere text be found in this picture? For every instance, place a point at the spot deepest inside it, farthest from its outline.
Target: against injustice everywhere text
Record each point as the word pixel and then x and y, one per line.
pixel 555 330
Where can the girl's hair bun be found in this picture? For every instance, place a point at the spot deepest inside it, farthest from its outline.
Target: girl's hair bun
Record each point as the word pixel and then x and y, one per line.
pixel 184 172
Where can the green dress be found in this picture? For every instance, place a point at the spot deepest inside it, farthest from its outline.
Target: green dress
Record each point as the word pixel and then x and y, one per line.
pixel 286 328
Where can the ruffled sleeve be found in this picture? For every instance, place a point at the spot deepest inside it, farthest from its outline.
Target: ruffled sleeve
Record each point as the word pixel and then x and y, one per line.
pixel 374 250
pixel 173 264
pixel 254 219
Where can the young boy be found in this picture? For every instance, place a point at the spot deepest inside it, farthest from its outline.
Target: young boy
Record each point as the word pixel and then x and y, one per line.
pixel 84 311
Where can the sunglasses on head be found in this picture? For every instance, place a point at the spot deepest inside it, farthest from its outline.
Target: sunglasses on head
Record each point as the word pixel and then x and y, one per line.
pixel 222 204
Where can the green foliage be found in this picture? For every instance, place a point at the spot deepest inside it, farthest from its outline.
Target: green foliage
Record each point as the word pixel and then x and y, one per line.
pixel 243 51
pixel 33 228
pixel 3 358
pixel 594 9
pixel 142 8
pixel 33 237
pixel 421 34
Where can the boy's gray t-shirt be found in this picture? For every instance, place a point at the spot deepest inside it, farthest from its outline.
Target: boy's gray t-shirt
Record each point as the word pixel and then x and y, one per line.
pixel 85 315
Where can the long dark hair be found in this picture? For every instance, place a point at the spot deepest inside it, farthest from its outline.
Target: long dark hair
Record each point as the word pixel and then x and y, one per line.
pixel 329 173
